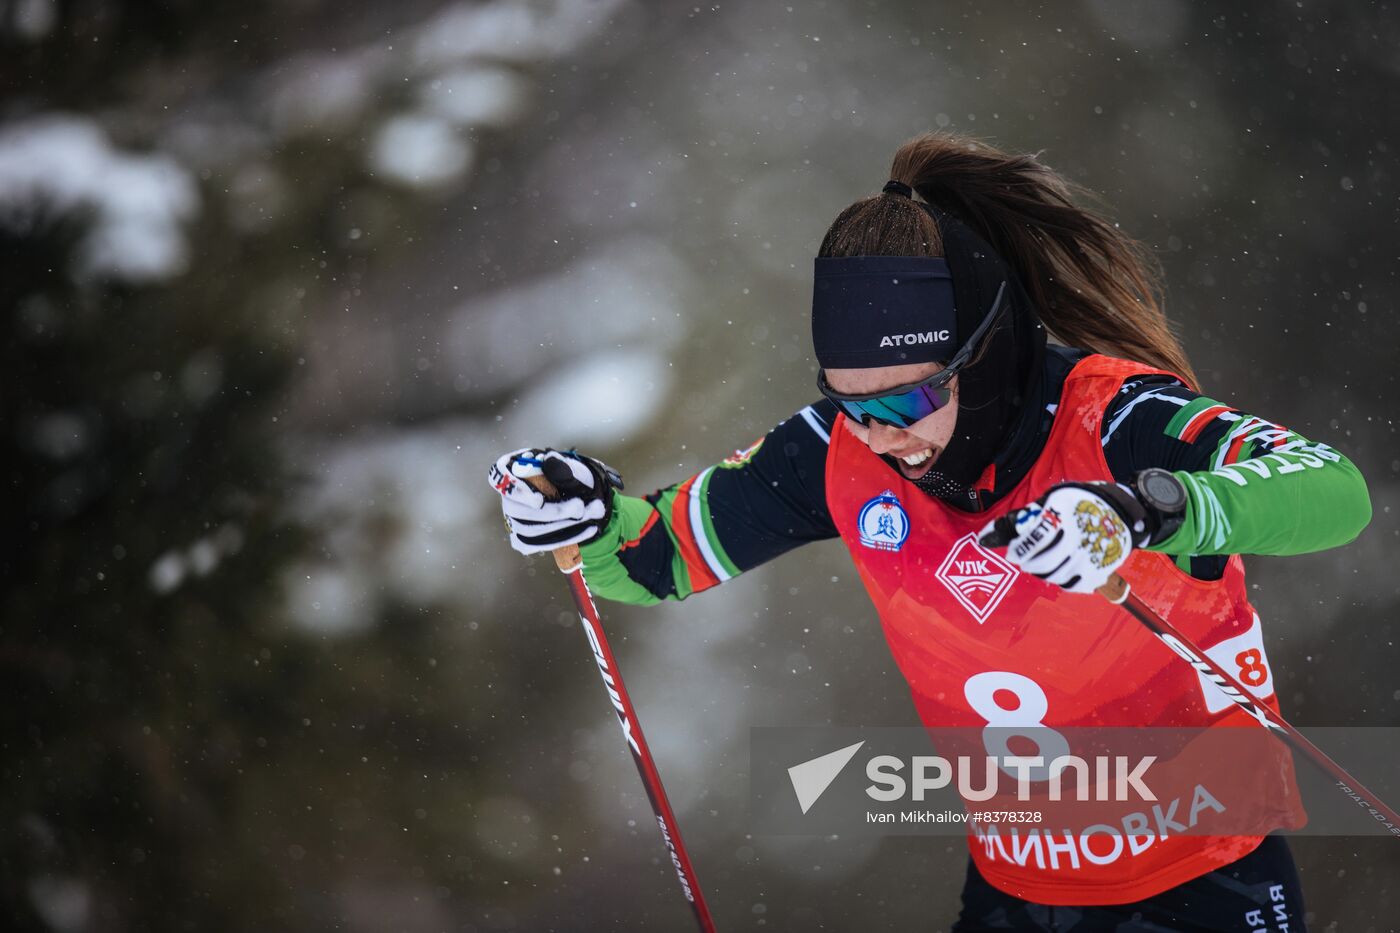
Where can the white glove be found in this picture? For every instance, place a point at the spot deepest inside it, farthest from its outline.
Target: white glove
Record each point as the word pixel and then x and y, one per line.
pixel 1075 536
pixel 583 505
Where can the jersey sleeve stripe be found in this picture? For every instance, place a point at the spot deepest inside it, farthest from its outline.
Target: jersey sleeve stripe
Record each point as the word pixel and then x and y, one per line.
pixel 1231 445
pixel 741 457
pixel 809 415
pixel 646 527
pixel 1201 408
pixel 1188 411
pixel 1193 428
pixel 710 548
pixel 701 577
pixel 1232 455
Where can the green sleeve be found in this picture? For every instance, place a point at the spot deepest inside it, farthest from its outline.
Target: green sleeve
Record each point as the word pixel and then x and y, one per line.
pixel 607 576
pixel 1300 497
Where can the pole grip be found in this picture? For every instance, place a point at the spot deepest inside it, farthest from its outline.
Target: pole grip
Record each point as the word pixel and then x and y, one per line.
pixel 1115 590
pixel 566 558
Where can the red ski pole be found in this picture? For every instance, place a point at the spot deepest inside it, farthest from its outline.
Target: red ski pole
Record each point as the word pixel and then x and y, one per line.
pixel 570 563
pixel 1116 590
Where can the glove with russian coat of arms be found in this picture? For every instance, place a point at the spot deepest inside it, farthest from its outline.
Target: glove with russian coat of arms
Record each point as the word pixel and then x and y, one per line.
pixel 1075 536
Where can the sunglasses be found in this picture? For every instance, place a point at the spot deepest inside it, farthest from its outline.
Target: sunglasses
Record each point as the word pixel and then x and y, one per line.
pixel 903 405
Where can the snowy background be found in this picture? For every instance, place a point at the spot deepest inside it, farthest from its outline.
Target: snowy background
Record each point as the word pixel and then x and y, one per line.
pixel 280 280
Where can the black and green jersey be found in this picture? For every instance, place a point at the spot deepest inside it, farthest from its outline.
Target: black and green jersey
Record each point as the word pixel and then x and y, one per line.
pixel 1254 488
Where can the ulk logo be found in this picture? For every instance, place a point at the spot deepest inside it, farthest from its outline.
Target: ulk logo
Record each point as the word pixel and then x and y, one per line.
pixel 977 578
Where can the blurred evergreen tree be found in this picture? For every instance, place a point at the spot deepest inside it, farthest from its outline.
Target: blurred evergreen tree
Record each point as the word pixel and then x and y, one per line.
pixel 137 440
pixel 154 748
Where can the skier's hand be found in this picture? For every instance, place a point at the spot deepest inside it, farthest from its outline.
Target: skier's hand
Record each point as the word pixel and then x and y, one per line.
pixel 1075 536
pixel 538 524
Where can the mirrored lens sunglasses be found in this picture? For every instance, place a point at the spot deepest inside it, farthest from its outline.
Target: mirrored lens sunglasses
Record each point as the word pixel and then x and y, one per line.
pixel 899 407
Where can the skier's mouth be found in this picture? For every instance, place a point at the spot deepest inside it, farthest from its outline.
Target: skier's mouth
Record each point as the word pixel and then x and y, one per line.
pixel 916 464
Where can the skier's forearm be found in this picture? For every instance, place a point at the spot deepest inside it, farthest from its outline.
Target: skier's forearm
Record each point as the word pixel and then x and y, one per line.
pixel 1299 498
pixel 1253 486
pixel 756 504
pixel 637 532
pixel 661 547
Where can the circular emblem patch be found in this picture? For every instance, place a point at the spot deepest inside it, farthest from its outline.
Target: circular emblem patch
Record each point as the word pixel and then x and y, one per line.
pixel 883 523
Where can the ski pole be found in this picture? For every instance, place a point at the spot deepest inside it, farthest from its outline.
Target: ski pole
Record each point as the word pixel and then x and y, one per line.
pixel 570 563
pixel 1117 590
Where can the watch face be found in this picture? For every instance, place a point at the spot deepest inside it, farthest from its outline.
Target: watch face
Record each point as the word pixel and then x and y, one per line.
pixel 1162 490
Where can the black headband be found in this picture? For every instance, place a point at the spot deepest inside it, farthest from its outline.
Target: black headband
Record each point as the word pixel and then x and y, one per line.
pixel 872 311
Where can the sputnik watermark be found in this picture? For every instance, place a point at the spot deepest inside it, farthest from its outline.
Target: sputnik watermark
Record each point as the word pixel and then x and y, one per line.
pixel 1025 786
pixel 977 779
pixel 1110 777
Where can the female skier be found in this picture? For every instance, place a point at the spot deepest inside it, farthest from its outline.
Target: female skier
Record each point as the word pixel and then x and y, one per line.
pixel 945 409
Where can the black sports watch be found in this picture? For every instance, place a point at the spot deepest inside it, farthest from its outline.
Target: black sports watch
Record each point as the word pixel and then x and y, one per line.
pixel 1165 497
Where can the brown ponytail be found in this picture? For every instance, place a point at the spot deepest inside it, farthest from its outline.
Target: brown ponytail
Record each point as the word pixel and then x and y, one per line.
pixel 1092 285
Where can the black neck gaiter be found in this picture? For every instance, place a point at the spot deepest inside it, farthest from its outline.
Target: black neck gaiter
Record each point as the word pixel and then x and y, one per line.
pixel 997 385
